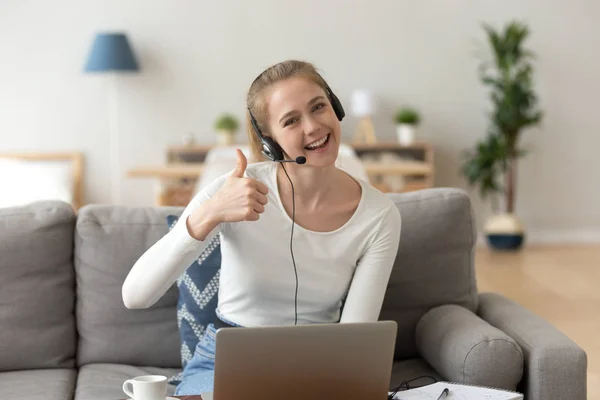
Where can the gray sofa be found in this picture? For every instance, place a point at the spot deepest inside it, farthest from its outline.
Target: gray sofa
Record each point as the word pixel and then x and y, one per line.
pixel 66 334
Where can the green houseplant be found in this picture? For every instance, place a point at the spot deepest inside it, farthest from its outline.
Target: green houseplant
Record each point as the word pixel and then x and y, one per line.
pixel 406 119
pixel 492 163
pixel 226 126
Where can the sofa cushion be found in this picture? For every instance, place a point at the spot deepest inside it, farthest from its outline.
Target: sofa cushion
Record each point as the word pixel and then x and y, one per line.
pixel 434 265
pixel 198 297
pixel 105 381
pixel 108 241
pixel 38 384
pixel 37 298
pixel 464 348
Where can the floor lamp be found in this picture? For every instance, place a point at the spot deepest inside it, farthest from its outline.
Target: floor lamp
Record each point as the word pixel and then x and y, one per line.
pixel 111 54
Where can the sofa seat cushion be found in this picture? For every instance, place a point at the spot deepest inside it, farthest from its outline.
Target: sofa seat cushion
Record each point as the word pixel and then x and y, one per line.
pixel 415 370
pixel 105 381
pixel 38 384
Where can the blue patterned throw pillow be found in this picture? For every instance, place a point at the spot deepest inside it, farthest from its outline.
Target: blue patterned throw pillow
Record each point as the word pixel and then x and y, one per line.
pixel 198 297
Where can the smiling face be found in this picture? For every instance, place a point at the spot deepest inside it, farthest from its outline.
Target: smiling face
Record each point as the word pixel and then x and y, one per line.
pixel 302 121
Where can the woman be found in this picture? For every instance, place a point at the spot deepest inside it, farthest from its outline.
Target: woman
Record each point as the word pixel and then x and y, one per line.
pixel 300 243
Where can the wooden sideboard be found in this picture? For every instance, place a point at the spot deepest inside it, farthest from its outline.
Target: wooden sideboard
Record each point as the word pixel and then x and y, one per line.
pixel 388 164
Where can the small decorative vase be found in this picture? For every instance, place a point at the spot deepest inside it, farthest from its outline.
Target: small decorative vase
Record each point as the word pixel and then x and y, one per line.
pixel 188 139
pixel 405 133
pixel 226 138
pixel 504 231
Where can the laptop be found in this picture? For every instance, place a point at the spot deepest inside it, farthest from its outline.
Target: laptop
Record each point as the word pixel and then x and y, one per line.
pixel 314 361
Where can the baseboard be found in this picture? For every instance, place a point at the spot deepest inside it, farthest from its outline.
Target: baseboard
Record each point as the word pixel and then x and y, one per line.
pixel 566 236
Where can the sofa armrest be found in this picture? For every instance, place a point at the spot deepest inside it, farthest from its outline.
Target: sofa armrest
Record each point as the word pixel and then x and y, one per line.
pixel 555 367
pixel 464 348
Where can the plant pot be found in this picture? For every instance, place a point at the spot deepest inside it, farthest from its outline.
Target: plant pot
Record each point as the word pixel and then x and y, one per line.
pixel 225 138
pixel 504 231
pixel 406 134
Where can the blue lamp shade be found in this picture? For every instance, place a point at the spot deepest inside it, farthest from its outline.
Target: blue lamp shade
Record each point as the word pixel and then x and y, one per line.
pixel 111 52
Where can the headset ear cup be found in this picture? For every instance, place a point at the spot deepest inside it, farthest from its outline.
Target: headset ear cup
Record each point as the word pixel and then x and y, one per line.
pixel 271 149
pixel 337 106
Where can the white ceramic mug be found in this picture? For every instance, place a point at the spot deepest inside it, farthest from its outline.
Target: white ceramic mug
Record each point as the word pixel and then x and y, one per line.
pixel 146 387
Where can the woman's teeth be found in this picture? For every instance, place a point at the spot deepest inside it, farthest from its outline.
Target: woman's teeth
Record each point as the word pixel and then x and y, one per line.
pixel 318 144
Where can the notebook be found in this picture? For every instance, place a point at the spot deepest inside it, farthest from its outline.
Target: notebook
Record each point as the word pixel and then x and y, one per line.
pixel 458 391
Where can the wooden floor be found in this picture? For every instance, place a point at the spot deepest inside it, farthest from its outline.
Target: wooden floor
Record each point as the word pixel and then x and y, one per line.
pixel 559 283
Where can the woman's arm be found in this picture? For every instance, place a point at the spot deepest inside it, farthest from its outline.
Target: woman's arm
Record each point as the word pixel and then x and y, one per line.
pixel 160 266
pixel 369 284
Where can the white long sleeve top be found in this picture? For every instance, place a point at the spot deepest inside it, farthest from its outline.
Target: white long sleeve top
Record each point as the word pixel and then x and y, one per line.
pixel 257 280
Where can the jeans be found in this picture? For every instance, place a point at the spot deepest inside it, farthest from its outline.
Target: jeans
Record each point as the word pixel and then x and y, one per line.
pixel 198 374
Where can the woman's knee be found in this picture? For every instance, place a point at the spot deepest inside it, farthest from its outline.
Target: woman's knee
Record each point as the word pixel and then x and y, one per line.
pixel 196 384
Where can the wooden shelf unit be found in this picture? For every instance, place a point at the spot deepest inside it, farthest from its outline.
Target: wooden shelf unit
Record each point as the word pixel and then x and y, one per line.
pixel 185 165
pixel 416 167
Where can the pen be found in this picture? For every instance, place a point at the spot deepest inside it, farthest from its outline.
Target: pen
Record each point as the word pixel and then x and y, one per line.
pixel 444 394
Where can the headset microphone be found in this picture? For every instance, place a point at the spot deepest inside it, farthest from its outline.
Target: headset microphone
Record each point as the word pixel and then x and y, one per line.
pixel 299 160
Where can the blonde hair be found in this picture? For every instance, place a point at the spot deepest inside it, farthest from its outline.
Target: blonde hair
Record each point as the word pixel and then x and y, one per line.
pixel 255 100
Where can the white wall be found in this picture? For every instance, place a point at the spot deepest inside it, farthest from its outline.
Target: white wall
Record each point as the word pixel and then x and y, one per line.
pixel 199 57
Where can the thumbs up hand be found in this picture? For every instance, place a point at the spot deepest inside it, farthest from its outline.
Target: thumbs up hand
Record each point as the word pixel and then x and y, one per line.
pixel 240 198
pixel 241 165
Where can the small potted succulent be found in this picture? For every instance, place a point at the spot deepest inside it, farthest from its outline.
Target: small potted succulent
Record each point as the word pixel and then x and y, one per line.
pixel 226 126
pixel 407 119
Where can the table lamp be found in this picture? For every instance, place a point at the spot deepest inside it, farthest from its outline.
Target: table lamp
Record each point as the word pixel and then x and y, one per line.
pixel 111 54
pixel 363 107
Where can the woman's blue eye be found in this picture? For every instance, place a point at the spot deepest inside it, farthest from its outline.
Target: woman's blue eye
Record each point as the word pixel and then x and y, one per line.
pixel 289 121
pixel 293 120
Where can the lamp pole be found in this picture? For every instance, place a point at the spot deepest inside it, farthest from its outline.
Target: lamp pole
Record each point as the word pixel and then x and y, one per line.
pixel 114 145
pixel 110 54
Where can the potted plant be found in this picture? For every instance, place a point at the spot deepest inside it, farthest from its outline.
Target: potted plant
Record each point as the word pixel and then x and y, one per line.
pixel 492 164
pixel 407 119
pixel 226 126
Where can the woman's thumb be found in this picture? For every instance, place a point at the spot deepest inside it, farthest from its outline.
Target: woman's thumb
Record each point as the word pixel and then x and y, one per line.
pixel 240 168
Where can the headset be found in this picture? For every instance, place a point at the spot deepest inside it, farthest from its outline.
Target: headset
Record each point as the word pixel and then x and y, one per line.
pixel 274 152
